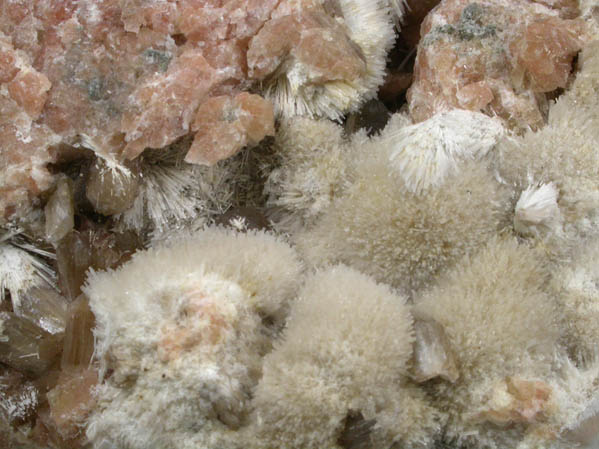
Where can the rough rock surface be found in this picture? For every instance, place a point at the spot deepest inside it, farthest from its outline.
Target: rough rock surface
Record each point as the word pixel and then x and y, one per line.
pixel 120 76
pixel 496 56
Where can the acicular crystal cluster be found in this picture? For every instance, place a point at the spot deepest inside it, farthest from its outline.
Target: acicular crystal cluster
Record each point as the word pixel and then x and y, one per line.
pixel 299 224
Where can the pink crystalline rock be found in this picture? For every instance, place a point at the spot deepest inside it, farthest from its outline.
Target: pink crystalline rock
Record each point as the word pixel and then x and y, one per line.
pixel 23 142
pixel 496 56
pixel 119 76
pixel 224 125
pixel 163 107
pixel 311 37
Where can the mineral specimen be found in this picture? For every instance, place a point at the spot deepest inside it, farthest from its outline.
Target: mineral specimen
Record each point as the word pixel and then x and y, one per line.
pixel 60 211
pixel 326 65
pixel 93 248
pixel 44 307
pixel 71 401
pixel 223 226
pixel 562 155
pixel 224 125
pixel 517 400
pixel 433 355
pixel 120 76
pixel 112 190
pixel 310 174
pixel 576 289
pixel 402 237
pixel 537 208
pixel 494 56
pixel 19 397
pixel 197 318
pixel 494 308
pixel 25 346
pixel 79 340
pixel 345 350
pixel 163 108
pixel 22 266
pixel 24 142
pixel 426 153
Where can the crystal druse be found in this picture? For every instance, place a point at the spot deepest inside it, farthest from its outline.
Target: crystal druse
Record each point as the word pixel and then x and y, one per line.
pixel 299 224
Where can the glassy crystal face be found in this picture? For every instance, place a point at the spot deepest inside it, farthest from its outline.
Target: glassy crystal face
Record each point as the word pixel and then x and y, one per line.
pixel 26 346
pixel 60 211
pixel 433 355
pixel 45 307
pixel 78 339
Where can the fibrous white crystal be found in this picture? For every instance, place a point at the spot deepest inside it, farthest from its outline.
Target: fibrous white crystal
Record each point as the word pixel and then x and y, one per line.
pixel 60 211
pixel 297 88
pixel 377 225
pixel 22 266
pixel 313 158
pixel 537 208
pixel 183 327
pixel 504 326
pixel 399 10
pixel 345 350
pixel 173 193
pixel 426 153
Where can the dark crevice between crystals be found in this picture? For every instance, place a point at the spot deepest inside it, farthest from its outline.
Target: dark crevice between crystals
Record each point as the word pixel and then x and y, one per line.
pixel 400 68
pixel 356 433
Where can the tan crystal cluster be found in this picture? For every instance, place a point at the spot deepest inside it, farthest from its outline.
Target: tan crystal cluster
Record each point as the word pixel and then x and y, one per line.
pixel 47 377
pixel 496 56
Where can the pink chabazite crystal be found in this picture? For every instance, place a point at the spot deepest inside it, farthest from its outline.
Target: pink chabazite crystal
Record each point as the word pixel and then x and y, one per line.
pixel 29 89
pixel 544 50
pixel 163 107
pixel 24 144
pixel 224 125
pixel 495 56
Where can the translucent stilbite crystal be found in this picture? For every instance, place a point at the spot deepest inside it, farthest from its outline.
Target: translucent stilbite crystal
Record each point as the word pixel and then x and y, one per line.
pixel 225 124
pixel 70 397
pixel 90 248
pixel 73 259
pixel 26 346
pixel 79 339
pixel 60 211
pixel 45 307
pixel 433 355
pixel 71 401
pixel 356 432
